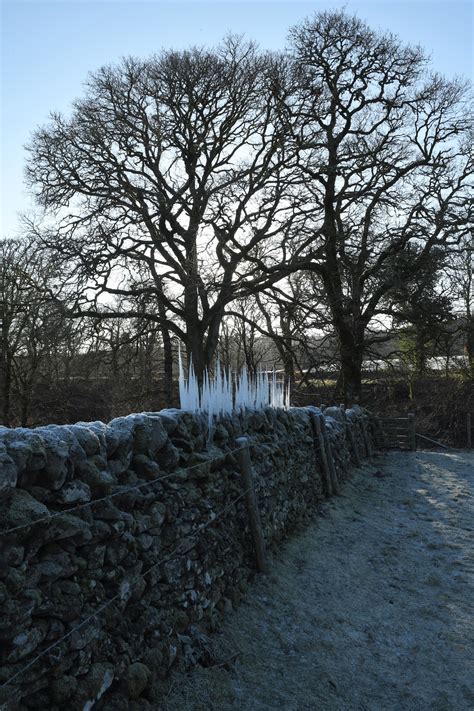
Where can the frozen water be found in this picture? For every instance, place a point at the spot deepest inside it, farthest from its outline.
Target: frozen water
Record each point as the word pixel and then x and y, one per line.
pixel 228 392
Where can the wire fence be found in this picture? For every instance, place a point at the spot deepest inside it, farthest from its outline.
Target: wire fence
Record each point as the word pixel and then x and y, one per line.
pixel 134 487
pixel 126 584
pixel 121 595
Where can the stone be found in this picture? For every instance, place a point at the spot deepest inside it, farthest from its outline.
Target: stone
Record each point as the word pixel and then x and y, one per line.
pixel 61 606
pixel 81 638
pixel 74 492
pixel 120 437
pixel 9 698
pixel 256 420
pixel 87 438
pixel 149 435
pixel 334 412
pixel 99 481
pixel 221 434
pixel 8 473
pixel 138 676
pixel 169 419
pixel 66 526
pixel 168 457
pixel 116 702
pixel 185 444
pixel 117 467
pixel 63 688
pixel 140 705
pixel 21 509
pixel 32 443
pixel 93 687
pixel 25 643
pixel 57 448
pixel 20 452
pixel 351 415
pixel 96 557
pixel 145 467
pixel 11 555
pixel 145 541
pixel 157 513
pixel 56 629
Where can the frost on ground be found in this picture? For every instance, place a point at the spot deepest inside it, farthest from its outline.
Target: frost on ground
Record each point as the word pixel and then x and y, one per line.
pixel 370 608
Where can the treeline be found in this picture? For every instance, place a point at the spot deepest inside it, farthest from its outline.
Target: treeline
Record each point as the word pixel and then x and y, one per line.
pixel 59 368
pixel 248 204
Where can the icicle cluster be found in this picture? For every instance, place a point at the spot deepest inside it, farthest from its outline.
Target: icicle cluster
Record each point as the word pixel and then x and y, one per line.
pixel 226 393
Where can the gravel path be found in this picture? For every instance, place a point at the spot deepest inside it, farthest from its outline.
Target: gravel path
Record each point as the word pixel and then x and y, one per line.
pixel 370 608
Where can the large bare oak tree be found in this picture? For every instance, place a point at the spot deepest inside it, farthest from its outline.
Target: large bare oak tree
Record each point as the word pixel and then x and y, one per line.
pixel 170 184
pixel 385 157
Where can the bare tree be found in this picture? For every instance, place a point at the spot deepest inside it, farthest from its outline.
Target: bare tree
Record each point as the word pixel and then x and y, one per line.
pixel 460 273
pixel 31 324
pixel 167 181
pixel 384 155
pixel 467 295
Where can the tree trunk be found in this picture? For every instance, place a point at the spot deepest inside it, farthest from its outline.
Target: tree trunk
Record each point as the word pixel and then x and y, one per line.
pixel 350 333
pixel 195 349
pixel 6 384
pixel 470 344
pixel 167 356
pixel 345 314
pixel 167 367
pixel 286 348
pixel 6 376
pixel 212 340
pixel 351 369
pixel 420 352
pixel 25 408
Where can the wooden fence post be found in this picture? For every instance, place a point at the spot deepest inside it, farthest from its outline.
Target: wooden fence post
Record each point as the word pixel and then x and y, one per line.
pixel 412 431
pixel 318 436
pixel 327 445
pixel 352 441
pixel 383 437
pixel 365 434
pixel 469 430
pixel 251 503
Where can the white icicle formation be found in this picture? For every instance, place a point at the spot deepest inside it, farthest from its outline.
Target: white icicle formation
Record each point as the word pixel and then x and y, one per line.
pixel 188 389
pixel 225 394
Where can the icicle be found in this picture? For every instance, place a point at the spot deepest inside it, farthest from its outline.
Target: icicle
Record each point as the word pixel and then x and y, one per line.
pixel 181 381
pixel 227 392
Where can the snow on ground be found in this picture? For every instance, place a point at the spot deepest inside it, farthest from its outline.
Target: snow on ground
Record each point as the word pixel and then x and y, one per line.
pixel 369 608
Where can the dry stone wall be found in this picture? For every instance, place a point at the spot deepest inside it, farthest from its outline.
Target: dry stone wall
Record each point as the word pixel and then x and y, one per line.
pixel 123 544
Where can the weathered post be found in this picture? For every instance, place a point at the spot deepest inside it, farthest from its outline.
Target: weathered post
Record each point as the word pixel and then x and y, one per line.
pixel 327 445
pixel 318 436
pixel 352 441
pixel 382 435
pixel 469 430
pixel 412 431
pixel 251 503
pixel 365 434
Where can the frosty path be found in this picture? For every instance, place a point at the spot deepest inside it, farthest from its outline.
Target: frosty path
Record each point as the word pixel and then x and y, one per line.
pixel 370 608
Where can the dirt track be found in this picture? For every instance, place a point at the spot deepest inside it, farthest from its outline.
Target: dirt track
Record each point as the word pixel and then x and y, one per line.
pixel 370 608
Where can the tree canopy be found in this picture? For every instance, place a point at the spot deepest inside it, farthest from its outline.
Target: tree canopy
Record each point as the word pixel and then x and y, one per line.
pixel 192 181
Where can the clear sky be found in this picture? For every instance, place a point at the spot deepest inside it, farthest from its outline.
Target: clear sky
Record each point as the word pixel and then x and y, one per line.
pixel 48 47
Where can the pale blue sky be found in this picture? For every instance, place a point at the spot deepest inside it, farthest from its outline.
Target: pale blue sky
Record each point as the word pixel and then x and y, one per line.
pixel 48 47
